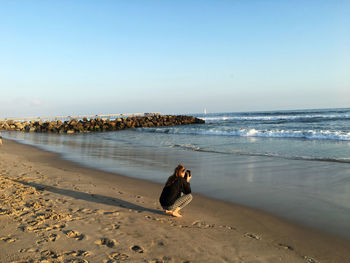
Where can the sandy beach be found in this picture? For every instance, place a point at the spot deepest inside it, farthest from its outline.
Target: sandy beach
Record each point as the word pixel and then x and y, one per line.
pixel 53 210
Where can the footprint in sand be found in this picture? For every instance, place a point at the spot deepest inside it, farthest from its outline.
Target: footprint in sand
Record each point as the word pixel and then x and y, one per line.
pixel 85 210
pixel 35 205
pixel 115 226
pixel 53 237
pixel 74 234
pixel 49 254
pixel 106 242
pixel 35 229
pixel 137 249
pixel 229 227
pixel 29 250
pixel 112 227
pixel 78 253
pixel 254 236
pixel 58 226
pixel 286 246
pixel 41 216
pixel 8 239
pixel 161 243
pixel 164 259
pixel 42 241
pixel 309 260
pixel 5 212
pixel 200 224
pixel 62 201
pixel 117 257
pixel 32 222
pixel 111 213
pixel 135 211
pixel 77 260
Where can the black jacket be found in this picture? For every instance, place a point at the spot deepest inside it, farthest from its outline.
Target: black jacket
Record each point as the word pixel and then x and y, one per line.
pixel 172 192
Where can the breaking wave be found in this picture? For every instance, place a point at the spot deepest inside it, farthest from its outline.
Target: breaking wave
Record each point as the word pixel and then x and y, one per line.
pixel 300 134
pixel 300 118
pixel 192 147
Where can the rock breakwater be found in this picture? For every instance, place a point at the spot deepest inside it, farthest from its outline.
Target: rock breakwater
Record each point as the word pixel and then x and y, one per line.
pixel 97 124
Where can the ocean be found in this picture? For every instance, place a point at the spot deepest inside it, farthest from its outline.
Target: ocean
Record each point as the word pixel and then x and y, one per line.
pixel 294 164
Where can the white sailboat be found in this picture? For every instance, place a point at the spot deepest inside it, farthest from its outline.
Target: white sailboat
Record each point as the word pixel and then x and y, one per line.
pixel 205 110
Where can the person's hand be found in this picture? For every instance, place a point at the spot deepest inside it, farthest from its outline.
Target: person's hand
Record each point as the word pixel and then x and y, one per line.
pixel 189 178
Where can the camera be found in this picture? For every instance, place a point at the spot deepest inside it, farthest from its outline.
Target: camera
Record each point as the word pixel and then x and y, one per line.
pixel 188 174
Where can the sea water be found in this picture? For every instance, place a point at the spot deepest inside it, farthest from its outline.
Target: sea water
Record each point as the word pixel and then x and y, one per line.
pixel 295 164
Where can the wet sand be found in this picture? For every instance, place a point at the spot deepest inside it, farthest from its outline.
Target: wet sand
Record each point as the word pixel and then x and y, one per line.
pixel 52 210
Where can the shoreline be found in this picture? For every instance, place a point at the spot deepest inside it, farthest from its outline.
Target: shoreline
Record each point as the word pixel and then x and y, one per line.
pixel 256 232
pixel 273 185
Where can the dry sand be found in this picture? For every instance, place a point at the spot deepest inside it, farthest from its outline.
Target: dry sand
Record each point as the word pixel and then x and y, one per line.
pixel 53 210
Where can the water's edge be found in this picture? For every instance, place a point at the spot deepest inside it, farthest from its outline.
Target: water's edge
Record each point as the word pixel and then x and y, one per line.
pixel 320 228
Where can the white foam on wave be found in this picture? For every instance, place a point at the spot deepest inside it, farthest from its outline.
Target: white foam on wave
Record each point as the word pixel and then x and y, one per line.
pixel 186 146
pixel 216 119
pixel 224 131
pixel 309 134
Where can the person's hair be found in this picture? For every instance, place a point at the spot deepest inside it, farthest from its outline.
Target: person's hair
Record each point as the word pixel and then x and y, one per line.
pixel 175 175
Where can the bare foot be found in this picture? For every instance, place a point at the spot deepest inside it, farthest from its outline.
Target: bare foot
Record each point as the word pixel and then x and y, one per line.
pixel 172 213
pixel 168 212
pixel 176 214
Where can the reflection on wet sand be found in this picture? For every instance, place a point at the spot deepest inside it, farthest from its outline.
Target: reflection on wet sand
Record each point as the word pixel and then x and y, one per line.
pixel 308 192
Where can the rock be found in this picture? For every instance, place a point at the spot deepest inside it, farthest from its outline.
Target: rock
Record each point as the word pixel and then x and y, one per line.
pixel 97 124
pixel 73 121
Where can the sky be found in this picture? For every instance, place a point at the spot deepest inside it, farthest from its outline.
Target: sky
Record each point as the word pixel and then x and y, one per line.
pixel 69 57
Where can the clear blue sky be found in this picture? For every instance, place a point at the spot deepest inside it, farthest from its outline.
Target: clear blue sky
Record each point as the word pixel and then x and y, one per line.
pixel 90 57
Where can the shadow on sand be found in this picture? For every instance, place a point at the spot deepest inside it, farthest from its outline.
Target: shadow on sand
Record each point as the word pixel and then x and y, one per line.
pixel 96 198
